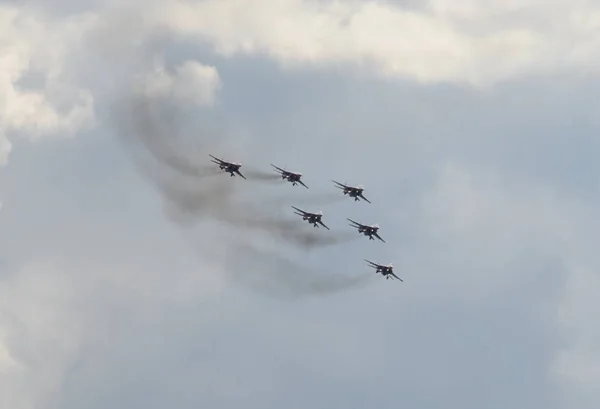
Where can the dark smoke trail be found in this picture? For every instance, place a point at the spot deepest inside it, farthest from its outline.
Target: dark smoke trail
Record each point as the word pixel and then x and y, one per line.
pixel 308 199
pixel 179 168
pixel 261 175
pixel 139 123
pixel 188 192
pixel 278 276
pixel 213 202
pixel 291 230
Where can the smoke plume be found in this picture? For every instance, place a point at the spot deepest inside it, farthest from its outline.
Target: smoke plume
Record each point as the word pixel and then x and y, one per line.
pixel 193 192
pixel 277 276
pixel 173 161
pixel 170 146
pixel 262 175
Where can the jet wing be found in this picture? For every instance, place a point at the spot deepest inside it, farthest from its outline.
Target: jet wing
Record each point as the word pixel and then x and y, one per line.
pixel 340 185
pixel 357 223
pixel 302 212
pixel 364 198
pixel 374 265
pixel 377 235
pixel 218 161
pixel 239 173
pixel 282 171
pixel 302 183
pixel 397 278
pixel 323 224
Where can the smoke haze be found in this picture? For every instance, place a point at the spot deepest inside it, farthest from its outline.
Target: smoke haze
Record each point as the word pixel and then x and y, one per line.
pixel 173 157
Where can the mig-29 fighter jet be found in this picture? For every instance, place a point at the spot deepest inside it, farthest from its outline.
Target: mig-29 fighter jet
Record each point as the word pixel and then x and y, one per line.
pixel 366 229
pixel 293 177
pixel 313 218
pixel 228 167
pixel 385 271
pixel 353 191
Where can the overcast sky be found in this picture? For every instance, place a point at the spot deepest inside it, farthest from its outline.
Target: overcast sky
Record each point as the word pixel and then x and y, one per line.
pixel 132 276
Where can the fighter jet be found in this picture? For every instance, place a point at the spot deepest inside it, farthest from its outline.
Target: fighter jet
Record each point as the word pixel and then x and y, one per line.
pixel 353 191
pixel 366 229
pixel 293 177
pixel 385 271
pixel 313 218
pixel 228 167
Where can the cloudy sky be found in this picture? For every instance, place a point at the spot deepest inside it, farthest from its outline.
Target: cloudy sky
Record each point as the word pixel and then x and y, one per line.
pixel 132 276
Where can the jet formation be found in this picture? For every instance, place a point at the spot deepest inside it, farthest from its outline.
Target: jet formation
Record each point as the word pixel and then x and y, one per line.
pixel 316 219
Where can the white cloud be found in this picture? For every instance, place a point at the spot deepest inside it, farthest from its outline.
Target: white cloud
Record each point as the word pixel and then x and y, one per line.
pixel 480 227
pixel 192 82
pixel 31 44
pixel 485 232
pixel 41 330
pixel 52 312
pixel 464 41
pixel 577 366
